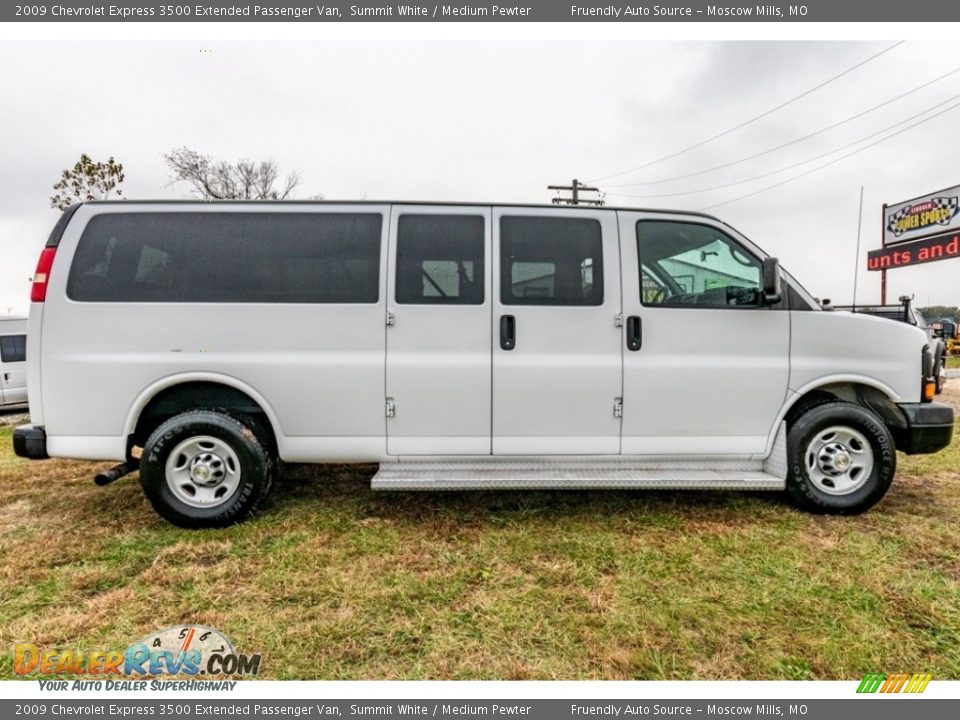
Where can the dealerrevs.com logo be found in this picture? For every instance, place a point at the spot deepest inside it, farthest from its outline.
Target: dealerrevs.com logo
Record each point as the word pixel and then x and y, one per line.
pixel 191 650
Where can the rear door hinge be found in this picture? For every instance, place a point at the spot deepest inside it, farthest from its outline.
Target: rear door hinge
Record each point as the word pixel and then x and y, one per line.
pixel 391 408
pixel 391 318
pixel 618 407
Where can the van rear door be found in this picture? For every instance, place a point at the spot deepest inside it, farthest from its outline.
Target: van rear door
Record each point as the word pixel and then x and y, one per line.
pixel 438 331
pixel 556 342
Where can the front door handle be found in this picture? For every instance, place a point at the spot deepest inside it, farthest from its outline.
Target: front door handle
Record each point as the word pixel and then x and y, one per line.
pixel 634 333
pixel 6 377
pixel 508 332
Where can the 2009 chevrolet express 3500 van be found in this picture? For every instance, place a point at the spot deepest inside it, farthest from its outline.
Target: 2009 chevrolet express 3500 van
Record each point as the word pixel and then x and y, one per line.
pixel 460 346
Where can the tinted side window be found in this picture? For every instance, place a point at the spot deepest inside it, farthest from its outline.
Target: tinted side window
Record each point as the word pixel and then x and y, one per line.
pixel 440 260
pixel 13 348
pixel 551 261
pixel 685 264
pixel 228 258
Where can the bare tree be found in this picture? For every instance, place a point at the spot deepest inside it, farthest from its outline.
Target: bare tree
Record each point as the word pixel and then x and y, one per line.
pixel 88 180
pixel 221 180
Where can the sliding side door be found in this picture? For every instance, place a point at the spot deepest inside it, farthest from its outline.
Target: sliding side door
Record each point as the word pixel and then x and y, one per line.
pixel 556 342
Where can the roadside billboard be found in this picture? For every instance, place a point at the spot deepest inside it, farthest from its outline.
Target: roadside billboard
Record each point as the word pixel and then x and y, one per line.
pixel 931 214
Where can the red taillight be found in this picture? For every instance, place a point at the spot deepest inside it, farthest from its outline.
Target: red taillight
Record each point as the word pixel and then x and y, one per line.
pixel 38 293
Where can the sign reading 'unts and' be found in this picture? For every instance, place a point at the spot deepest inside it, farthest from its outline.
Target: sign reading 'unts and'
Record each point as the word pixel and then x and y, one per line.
pixel 915 252
pixel 921 230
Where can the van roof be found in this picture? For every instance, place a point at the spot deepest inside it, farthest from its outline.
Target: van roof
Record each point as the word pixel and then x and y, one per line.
pixel 61 225
pixel 402 202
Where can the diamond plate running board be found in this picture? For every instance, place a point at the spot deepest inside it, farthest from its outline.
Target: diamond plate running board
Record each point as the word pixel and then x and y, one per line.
pixel 564 476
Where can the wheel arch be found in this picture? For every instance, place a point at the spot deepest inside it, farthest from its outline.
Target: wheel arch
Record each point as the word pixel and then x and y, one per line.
pixel 177 393
pixel 864 391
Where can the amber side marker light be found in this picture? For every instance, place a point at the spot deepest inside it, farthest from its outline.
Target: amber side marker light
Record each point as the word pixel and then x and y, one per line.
pixel 929 390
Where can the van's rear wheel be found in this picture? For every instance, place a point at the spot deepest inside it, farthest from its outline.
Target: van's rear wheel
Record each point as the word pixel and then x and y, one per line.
pixel 205 469
pixel 841 459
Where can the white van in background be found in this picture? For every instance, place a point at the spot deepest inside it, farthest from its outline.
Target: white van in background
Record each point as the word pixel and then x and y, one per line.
pixel 470 346
pixel 13 360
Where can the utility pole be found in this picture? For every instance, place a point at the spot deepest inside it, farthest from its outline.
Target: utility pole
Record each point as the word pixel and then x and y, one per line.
pixel 575 188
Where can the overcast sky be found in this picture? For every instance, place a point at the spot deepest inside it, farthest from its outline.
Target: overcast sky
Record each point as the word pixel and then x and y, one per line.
pixel 497 122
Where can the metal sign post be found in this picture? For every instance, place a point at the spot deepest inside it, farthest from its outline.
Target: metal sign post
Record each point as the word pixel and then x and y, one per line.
pixel 883 244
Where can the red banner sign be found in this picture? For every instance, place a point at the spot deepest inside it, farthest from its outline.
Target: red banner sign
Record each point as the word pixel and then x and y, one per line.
pixel 938 247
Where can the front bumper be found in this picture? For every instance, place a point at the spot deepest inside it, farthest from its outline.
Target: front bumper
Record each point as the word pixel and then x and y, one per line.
pixel 929 428
pixel 30 441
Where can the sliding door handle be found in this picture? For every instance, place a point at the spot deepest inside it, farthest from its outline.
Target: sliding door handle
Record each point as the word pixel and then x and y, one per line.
pixel 508 332
pixel 634 333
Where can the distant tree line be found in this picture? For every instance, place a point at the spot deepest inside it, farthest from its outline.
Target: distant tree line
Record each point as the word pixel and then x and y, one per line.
pixel 939 312
pixel 208 179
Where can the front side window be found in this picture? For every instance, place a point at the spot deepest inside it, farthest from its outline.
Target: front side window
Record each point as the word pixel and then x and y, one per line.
pixel 13 348
pixel 686 264
pixel 550 261
pixel 219 257
pixel 440 260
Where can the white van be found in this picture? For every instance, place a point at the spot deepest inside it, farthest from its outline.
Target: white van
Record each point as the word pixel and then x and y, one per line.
pixel 13 360
pixel 460 346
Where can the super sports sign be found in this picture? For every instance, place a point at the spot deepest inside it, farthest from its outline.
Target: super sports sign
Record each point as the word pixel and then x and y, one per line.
pixel 929 214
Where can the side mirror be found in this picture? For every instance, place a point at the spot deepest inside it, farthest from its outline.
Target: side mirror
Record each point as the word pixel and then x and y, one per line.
pixel 771 280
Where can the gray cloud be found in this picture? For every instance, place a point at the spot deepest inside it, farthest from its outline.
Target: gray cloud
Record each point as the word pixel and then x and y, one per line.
pixel 489 122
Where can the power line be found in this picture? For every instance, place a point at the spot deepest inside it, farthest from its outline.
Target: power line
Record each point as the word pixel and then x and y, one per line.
pixel 795 165
pixel 753 119
pixel 792 142
pixel 832 162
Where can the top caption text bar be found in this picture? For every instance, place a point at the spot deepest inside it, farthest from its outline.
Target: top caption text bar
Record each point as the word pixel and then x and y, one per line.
pixel 525 11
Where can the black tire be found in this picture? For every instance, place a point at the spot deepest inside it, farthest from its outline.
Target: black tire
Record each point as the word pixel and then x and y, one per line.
pixel 254 462
pixel 938 374
pixel 805 493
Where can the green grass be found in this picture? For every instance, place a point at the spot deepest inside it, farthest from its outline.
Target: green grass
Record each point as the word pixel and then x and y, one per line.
pixel 332 581
pixel 953 361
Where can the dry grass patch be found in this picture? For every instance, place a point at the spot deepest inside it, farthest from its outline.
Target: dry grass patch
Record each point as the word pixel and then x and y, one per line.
pixel 330 580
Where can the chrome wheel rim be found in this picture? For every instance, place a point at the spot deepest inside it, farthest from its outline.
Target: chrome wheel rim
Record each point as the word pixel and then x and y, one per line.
pixel 838 460
pixel 203 472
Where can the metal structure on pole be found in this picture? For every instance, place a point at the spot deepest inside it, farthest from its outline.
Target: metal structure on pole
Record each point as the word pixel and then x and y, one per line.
pixel 575 188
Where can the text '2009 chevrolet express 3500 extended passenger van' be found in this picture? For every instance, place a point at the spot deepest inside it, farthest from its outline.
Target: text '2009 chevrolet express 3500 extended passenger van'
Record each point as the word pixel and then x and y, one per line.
pixel 460 346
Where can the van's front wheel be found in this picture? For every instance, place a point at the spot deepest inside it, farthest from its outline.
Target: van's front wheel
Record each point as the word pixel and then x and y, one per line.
pixel 841 459
pixel 204 469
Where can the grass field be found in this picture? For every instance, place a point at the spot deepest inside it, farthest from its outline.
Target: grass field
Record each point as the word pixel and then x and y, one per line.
pixel 953 361
pixel 332 581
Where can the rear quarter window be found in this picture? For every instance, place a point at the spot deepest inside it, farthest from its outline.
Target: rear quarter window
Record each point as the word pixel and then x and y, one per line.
pixel 220 257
